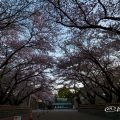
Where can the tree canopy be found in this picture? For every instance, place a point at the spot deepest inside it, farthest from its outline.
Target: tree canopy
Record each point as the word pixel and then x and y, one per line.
pixel 30 31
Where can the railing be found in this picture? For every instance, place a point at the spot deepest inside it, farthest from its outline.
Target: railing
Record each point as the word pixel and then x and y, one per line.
pixel 14 113
pixel 100 110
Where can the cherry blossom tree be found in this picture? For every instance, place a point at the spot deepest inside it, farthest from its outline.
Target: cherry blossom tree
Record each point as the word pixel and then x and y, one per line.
pixel 25 43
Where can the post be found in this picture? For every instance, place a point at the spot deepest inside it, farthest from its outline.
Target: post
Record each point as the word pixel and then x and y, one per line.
pixel 29 101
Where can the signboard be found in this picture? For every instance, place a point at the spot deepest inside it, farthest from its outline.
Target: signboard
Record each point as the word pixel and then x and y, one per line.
pixel 62 99
pixel 17 118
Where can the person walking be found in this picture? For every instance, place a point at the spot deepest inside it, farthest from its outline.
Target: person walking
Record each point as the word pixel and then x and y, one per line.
pixel 77 101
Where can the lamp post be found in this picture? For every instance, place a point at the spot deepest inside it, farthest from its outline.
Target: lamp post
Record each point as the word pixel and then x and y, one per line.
pixel 74 87
pixel 29 101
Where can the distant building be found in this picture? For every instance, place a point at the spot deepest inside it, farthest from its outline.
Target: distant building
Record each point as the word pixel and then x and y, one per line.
pixel 62 103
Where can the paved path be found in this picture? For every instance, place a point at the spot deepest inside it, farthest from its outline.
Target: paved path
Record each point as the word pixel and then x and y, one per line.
pixel 64 115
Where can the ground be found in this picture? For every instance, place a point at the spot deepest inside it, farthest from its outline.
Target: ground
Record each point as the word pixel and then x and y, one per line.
pixel 64 115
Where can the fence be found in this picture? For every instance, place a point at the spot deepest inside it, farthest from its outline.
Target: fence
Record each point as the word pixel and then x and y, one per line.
pixel 14 113
pixel 100 110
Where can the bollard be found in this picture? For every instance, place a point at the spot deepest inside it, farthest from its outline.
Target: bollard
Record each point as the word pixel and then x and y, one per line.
pixel 17 117
pixel 30 116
